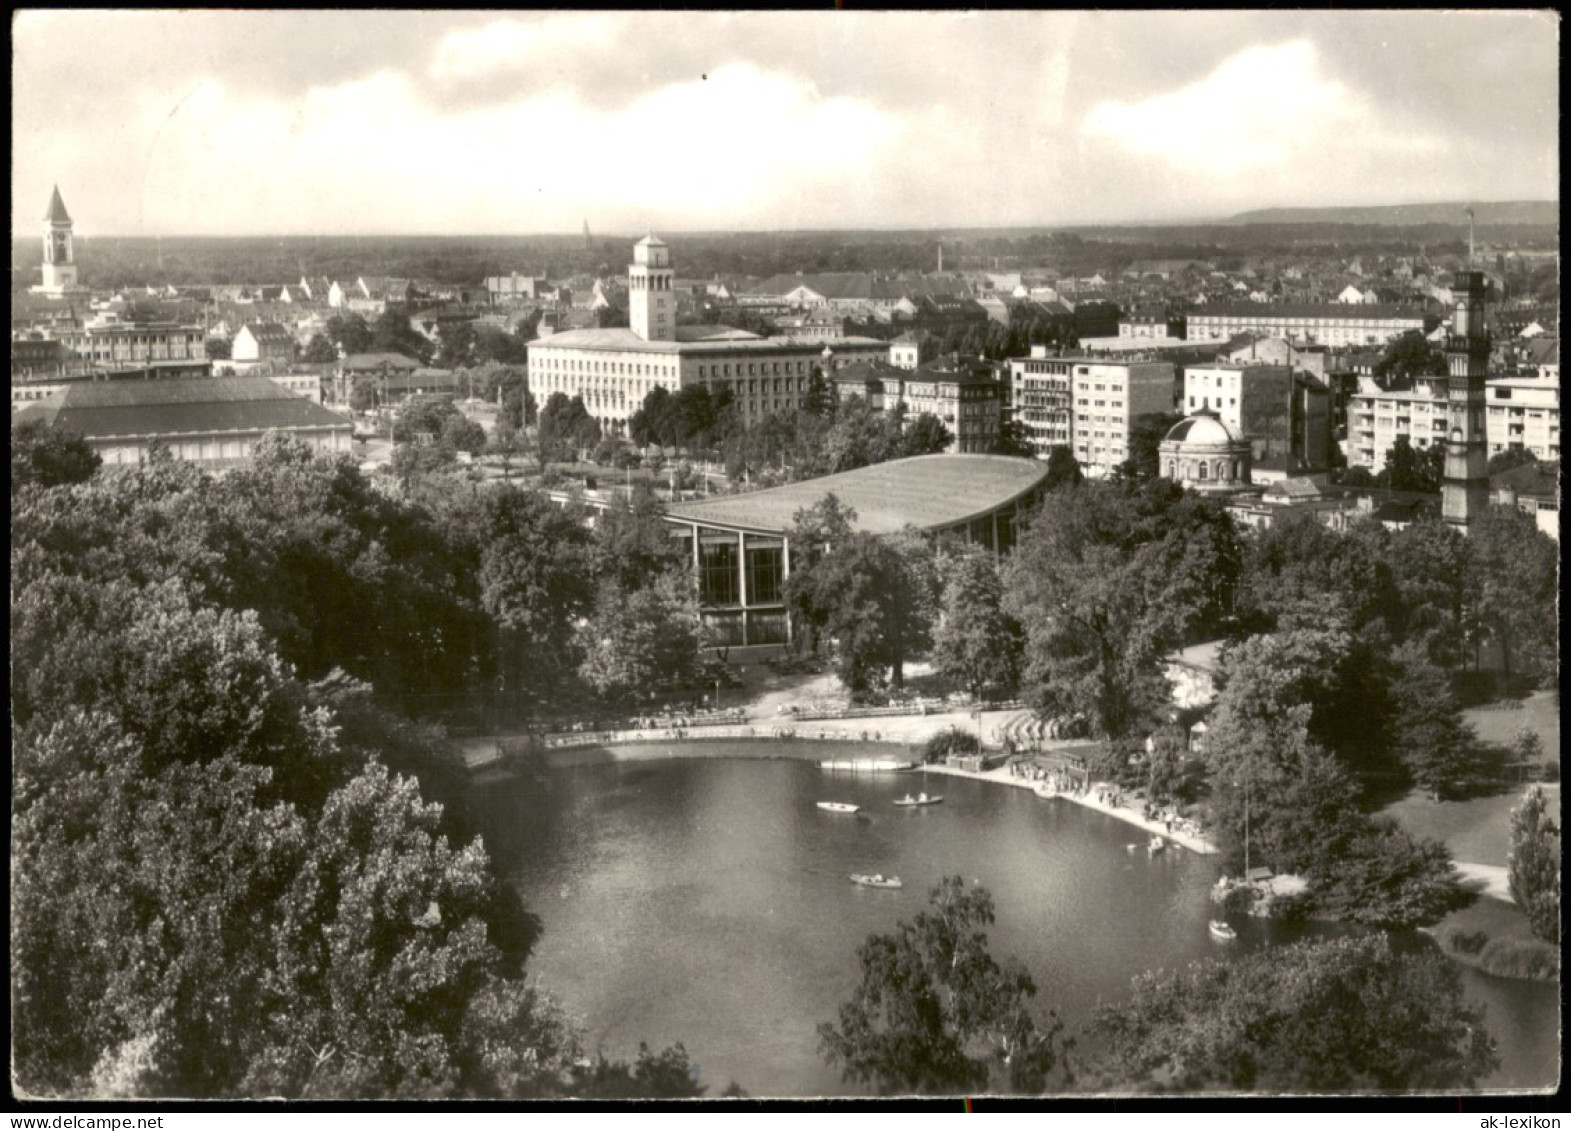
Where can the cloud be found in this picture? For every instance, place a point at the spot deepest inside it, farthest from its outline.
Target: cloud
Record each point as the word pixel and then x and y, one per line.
pixel 485 121
pixel 373 155
pixel 1257 108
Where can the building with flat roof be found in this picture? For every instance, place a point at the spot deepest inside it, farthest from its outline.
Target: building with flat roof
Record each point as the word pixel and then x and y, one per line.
pixel 214 422
pixel 1320 323
pixel 1087 404
pixel 1285 415
pixel 1523 413
pixel 740 545
pixel 615 369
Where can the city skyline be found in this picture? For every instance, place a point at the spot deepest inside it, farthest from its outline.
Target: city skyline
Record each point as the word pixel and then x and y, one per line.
pixel 263 123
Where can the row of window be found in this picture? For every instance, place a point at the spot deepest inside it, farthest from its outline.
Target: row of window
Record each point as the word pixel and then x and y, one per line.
pixel 753 369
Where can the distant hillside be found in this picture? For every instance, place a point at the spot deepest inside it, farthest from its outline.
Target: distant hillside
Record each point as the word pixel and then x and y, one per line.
pixel 1536 212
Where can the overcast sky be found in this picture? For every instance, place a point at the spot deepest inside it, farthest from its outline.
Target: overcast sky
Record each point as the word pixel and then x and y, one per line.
pixel 254 122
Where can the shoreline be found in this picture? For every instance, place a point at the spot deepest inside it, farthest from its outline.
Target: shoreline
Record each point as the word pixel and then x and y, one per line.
pixel 1193 842
pixel 593 753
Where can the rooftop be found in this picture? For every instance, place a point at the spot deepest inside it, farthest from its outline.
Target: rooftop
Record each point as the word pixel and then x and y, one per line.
pixel 691 340
pixel 928 492
pixel 102 409
pixel 57 213
pixel 1337 310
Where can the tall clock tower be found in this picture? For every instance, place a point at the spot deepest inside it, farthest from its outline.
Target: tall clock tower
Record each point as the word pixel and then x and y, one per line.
pixel 59 255
pixel 1464 492
pixel 651 300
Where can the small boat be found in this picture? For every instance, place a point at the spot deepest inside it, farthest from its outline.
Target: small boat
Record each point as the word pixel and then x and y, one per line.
pixel 838 806
pixel 920 799
pixel 877 880
pixel 1154 845
pixel 1221 931
pixel 1130 848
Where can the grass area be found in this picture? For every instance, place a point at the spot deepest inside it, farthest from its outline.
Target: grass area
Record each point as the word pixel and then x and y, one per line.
pixel 1494 937
pixel 1478 829
pixel 1497 723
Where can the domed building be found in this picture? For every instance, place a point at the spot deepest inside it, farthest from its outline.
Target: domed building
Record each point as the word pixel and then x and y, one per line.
pixel 1201 452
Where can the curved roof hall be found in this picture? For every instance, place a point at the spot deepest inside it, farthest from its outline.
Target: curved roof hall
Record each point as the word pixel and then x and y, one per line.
pixel 928 492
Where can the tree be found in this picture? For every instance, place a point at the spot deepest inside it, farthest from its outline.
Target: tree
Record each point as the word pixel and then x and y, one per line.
pixel 1509 459
pixel 1409 356
pixel 1513 587
pixel 874 597
pixel 456 346
pixel 1432 741
pixel 926 435
pixel 1107 578
pixel 818 399
pixel 1533 866
pixel 535 581
pixel 632 542
pixel 1413 469
pixel 1336 1015
pixel 1013 440
pixel 936 1013
pixel 392 333
pixel 49 457
pixel 977 644
pixel 642 640
pixel 349 333
pixel 1387 878
pixel 1063 470
pixel 320 350
pixel 1146 432
pixel 218 348
pixel 1428 563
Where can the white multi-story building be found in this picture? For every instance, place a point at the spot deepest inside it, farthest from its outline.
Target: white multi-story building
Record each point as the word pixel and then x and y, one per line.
pixel 1326 324
pixel 1376 417
pixel 1520 413
pixel 1523 412
pixel 615 369
pixel 1087 404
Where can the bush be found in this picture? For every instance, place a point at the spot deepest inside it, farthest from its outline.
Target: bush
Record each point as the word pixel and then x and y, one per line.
pixel 1295 906
pixel 1455 940
pixel 951 741
pixel 1521 958
pixel 1239 900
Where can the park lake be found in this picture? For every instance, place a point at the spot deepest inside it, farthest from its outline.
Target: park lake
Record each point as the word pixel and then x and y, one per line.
pixel 706 901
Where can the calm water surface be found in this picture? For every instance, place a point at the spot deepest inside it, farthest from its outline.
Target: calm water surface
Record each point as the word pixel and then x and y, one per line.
pixel 706 901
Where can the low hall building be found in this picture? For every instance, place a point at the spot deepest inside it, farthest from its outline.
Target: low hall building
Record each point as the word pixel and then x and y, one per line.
pixel 615 369
pixel 213 422
pixel 741 547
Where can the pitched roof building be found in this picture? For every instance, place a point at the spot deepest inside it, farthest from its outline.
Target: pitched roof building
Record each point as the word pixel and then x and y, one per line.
pixel 212 421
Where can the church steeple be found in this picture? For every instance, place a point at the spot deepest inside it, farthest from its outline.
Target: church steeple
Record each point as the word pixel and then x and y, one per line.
pixel 59 252
pixel 57 213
